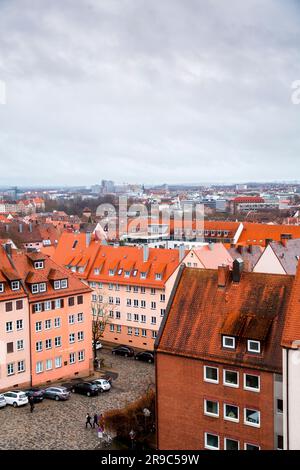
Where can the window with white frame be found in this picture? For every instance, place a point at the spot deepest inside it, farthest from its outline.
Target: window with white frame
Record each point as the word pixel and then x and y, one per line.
pixel 127 273
pixel 1 287
pixel 230 378
pixel 231 444
pixel 228 342
pixel 211 408
pixel 128 288
pixel 143 303
pixel 143 275
pixel 136 331
pixel 47 324
pixel 80 335
pixel 118 328
pixel 47 305
pixel 144 333
pixel 48 364
pixel 80 317
pixel 57 322
pixel 135 289
pixel 153 305
pixel 162 297
pixel 37 307
pixel 39 367
pixel 252 382
pixel 34 288
pixel 231 412
pixel 253 346
pixel 58 303
pixel 72 338
pixel 72 358
pixel 57 341
pixel 248 446
pixel 42 286
pixel 135 302
pixel 252 417
pixel 143 290
pixel 38 326
pixel 15 285
pixel 9 326
pixel 10 368
pixel 118 315
pixel 143 318
pixel 20 344
pixel 129 330
pixel 48 343
pixel 80 356
pixel 129 317
pixel 21 366
pixel 56 285
pixel 58 362
pixel 111 327
pixel 211 441
pixel 71 319
pixel 64 284
pixel 154 334
pixel 153 320
pixel 158 277
pixel 153 291
pixel 39 265
pixel 39 346
pixel 211 374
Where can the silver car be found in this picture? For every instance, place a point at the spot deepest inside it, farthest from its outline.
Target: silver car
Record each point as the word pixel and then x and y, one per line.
pixel 57 393
pixel 2 401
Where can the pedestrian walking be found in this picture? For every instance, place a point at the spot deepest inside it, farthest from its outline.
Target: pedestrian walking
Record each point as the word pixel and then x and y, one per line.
pixel 31 403
pixel 95 420
pixel 88 419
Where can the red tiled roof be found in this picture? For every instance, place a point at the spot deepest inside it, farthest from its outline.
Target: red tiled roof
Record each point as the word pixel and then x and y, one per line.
pixel 200 312
pixel 291 330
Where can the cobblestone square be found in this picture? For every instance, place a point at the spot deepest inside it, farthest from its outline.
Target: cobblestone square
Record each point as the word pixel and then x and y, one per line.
pixel 61 425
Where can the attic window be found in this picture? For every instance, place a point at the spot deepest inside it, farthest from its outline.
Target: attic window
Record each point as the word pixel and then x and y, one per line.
pixel 143 275
pixel 228 342
pixel 96 271
pixel 111 272
pixel 127 273
pixel 15 285
pixel 39 265
pixel 134 273
pixel 61 284
pixel 158 277
pixel 253 346
pixel 1 287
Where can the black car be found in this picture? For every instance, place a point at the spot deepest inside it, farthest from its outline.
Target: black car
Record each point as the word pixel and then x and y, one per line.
pixel 123 351
pixel 146 356
pixel 36 393
pixel 85 388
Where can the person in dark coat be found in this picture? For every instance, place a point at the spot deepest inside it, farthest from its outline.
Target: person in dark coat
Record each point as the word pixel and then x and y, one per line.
pixel 95 420
pixel 88 419
pixel 31 403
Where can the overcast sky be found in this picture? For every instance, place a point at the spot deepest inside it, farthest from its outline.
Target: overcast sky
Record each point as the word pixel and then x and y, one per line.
pixel 152 91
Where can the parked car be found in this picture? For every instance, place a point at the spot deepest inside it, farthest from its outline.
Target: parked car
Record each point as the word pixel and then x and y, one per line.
pixel 15 398
pixel 57 393
pixel 85 388
pixel 98 345
pixel 36 393
pixel 146 356
pixel 123 351
pixel 2 401
pixel 107 377
pixel 102 384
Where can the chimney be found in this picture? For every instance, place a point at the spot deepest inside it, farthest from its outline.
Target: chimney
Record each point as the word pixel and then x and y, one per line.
pixel 7 248
pixel 145 253
pixel 181 249
pixel 223 274
pixel 284 237
pixel 88 239
pixel 237 269
pixel 20 228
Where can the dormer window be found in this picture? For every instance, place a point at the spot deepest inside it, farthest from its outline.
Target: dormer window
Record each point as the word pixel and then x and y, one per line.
pixel 158 277
pixel 127 273
pixel 111 272
pixel 39 265
pixel 34 288
pixel 143 275
pixel 15 285
pixel 1 287
pixel 253 346
pixel 228 342
pixel 61 284
pixel 43 287
pixel 96 271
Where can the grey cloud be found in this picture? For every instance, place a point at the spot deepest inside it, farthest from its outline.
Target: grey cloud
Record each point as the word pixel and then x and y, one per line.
pixel 133 90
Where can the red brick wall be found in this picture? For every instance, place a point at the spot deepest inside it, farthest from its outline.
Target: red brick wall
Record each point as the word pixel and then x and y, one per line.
pixel 180 406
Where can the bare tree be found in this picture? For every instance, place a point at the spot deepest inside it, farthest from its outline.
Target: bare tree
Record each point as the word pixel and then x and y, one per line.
pixel 102 312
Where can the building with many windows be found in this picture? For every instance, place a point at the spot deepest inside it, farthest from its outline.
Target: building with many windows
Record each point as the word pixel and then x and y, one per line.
pixel 219 361
pixel 45 325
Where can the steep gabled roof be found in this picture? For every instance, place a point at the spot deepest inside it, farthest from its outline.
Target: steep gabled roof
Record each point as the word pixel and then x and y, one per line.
pixel 200 313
